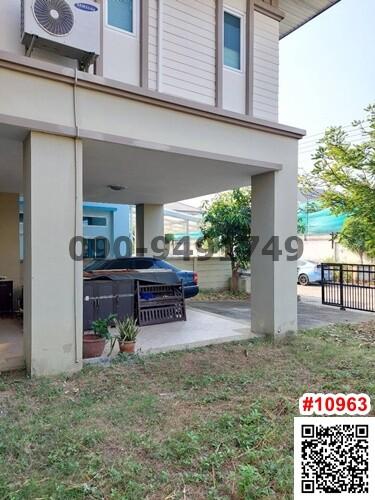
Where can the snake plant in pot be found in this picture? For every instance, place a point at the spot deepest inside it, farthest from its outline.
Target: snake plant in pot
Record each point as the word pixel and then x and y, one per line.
pixel 95 340
pixel 127 331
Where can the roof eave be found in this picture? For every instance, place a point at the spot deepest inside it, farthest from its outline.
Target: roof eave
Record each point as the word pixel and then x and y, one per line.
pixel 309 19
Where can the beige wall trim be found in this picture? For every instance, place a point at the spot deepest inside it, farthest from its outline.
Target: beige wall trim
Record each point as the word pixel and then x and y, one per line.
pixel 269 10
pixel 144 39
pixel 97 83
pixel 193 153
pixel 50 128
pixel 37 126
pixel 250 58
pixel 219 52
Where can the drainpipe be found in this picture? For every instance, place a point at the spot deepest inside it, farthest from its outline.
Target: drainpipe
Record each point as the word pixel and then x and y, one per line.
pixel 77 211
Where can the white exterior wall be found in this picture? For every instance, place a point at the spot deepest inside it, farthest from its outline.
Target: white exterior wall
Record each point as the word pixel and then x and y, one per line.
pixel 153 45
pixel 266 67
pixel 121 50
pixel 184 48
pixel 213 274
pixel 149 225
pixel 234 82
pixel 319 249
pixel 188 49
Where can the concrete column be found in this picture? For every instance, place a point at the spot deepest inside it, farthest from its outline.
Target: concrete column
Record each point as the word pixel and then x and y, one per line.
pixel 53 280
pixel 10 265
pixel 273 278
pixel 150 224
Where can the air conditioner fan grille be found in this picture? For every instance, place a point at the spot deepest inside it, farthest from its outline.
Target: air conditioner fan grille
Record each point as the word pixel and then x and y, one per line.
pixel 54 16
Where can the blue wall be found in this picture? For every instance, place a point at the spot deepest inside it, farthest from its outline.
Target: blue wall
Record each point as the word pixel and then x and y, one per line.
pixel 117 225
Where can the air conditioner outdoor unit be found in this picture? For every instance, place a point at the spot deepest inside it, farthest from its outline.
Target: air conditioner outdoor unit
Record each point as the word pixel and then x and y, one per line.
pixel 67 27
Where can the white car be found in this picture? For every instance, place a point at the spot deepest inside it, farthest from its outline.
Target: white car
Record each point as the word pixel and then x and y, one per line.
pixel 308 272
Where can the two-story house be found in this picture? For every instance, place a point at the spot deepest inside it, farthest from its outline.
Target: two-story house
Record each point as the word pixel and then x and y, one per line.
pixel 169 99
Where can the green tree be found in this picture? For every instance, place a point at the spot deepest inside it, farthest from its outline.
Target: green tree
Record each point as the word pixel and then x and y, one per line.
pixel 301 221
pixel 355 237
pixel 303 213
pixel 226 225
pixel 344 178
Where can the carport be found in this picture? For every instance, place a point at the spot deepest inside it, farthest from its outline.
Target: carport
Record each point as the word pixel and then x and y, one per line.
pixel 68 138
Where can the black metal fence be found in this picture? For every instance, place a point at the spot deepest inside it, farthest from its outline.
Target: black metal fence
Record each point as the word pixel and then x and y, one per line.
pixel 349 286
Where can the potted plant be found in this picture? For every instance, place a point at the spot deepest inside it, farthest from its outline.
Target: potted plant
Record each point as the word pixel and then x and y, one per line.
pixel 95 340
pixel 127 331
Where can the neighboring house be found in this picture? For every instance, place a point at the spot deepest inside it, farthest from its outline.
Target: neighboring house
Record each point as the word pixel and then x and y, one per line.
pixel 181 102
pixel 183 220
pixel 184 208
pixel 102 225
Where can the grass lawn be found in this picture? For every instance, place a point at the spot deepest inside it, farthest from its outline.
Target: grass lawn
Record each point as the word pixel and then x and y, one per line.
pixel 212 423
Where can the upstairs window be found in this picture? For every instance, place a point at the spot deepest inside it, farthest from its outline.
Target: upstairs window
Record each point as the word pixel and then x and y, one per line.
pixel 121 15
pixel 232 40
pixel 94 221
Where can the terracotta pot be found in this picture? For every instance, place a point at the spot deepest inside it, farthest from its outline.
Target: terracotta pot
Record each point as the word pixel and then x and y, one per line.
pixel 93 345
pixel 128 347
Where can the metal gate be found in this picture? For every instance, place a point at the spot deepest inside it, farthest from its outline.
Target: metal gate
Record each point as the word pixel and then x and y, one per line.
pixel 349 286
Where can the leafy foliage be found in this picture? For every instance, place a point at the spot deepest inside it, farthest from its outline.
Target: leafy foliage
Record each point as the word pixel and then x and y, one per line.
pixel 344 178
pixel 227 225
pixel 101 326
pixel 169 238
pixel 355 236
pixel 302 215
pixel 301 221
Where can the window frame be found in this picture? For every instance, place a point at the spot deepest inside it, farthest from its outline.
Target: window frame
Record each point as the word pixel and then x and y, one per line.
pixel 103 217
pixel 241 16
pixel 133 33
pixel 95 241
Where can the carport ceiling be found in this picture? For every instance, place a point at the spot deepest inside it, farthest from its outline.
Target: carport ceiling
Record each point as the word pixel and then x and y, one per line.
pixel 149 175
pixel 152 176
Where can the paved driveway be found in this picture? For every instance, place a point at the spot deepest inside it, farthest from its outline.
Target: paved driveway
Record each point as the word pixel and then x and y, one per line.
pixel 311 313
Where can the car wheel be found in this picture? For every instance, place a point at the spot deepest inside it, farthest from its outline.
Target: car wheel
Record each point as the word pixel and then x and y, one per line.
pixel 303 280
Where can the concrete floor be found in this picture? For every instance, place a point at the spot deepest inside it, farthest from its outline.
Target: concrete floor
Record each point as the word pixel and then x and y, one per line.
pixel 311 312
pixel 208 323
pixel 11 345
pixel 200 329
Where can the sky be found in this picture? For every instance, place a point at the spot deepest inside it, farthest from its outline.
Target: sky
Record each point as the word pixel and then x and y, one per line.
pixel 327 67
pixel 327 73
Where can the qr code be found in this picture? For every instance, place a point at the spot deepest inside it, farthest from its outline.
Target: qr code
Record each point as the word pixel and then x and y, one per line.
pixel 334 456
